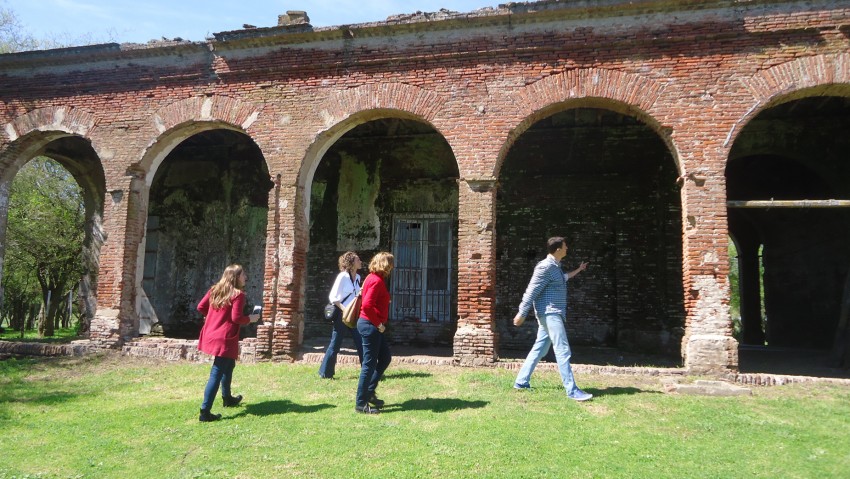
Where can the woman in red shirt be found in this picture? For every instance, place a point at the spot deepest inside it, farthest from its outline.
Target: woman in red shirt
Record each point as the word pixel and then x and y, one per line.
pixel 222 306
pixel 372 323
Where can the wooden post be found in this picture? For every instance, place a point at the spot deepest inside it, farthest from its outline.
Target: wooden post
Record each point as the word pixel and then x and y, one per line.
pixel 789 204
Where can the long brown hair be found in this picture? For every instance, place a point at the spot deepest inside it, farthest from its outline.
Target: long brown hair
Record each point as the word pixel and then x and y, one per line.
pixel 227 287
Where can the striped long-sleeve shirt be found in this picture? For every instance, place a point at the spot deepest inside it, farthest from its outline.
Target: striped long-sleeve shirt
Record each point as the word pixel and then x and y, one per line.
pixel 546 291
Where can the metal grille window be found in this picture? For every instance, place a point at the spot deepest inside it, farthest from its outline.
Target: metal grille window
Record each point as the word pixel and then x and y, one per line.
pixel 421 280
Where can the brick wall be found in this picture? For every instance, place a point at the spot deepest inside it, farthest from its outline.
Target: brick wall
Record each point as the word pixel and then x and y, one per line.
pixel 695 75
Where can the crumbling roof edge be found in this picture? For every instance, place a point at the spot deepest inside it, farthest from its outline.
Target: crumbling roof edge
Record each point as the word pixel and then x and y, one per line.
pixel 512 13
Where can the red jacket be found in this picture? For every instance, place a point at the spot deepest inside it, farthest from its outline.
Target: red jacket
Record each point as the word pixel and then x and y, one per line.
pixel 376 300
pixel 220 334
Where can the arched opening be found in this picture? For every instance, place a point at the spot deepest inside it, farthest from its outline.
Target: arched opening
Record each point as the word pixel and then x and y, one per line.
pixel 606 182
pixel 746 291
pixel 389 184
pixel 788 183
pixel 69 179
pixel 208 207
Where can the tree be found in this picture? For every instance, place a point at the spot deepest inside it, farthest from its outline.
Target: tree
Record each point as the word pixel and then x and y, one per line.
pixel 44 236
pixel 12 36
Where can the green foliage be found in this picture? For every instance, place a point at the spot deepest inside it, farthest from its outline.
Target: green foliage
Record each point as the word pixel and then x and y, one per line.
pixel 13 38
pixel 438 422
pixel 734 290
pixel 44 238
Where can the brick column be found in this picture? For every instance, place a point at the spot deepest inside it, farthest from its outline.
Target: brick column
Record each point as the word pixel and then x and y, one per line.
pixel 707 345
pixel 476 337
pixel 281 335
pixel 265 330
pixel 125 212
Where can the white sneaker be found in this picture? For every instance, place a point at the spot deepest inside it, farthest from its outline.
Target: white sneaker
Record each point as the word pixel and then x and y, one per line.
pixel 579 395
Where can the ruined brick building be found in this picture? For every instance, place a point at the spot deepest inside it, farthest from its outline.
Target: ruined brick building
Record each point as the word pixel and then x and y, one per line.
pixel 648 132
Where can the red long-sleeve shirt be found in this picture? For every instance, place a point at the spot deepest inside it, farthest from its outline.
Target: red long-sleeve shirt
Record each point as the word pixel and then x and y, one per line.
pixel 220 334
pixel 376 300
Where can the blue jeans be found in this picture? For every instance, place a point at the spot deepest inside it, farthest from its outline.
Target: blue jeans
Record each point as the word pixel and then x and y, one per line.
pixel 551 331
pixel 221 373
pixel 376 358
pixel 328 367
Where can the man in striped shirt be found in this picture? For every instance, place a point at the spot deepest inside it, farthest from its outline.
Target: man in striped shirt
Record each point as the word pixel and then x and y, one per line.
pixel 547 294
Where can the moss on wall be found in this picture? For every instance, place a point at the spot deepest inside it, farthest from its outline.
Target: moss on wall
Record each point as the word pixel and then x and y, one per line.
pixel 358 226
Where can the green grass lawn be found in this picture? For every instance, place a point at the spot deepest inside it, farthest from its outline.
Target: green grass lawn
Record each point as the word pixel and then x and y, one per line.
pixel 61 335
pixel 107 416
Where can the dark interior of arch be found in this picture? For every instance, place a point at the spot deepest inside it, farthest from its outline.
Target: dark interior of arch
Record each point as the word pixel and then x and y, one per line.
pixel 794 151
pixel 607 183
pixel 382 183
pixel 208 207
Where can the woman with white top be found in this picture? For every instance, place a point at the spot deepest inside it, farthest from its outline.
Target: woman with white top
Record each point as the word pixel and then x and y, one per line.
pixel 345 289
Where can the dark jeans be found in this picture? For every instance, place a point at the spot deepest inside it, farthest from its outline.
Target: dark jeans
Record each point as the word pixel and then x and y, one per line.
pixel 221 373
pixel 376 358
pixel 328 367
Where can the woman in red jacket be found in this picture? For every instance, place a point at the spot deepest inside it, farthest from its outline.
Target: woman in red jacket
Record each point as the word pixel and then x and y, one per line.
pixel 223 305
pixel 372 323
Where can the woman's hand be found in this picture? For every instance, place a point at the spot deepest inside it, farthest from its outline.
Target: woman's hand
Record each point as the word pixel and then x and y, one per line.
pixel 254 317
pixel 382 328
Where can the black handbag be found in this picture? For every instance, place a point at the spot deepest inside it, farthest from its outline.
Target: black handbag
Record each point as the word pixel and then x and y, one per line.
pixel 330 308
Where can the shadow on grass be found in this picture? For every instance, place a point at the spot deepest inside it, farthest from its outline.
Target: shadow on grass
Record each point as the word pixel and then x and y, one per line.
pixel 433 404
pixel 37 397
pixel 282 406
pixel 618 391
pixel 406 375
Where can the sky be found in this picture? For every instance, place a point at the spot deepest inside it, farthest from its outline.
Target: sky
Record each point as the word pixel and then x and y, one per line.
pixel 138 21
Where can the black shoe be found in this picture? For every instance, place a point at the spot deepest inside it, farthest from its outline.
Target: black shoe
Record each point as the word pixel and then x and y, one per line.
pixel 367 409
pixel 207 416
pixel 378 403
pixel 231 401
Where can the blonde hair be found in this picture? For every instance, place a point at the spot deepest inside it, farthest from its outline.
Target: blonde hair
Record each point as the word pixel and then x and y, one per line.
pixel 227 287
pixel 382 263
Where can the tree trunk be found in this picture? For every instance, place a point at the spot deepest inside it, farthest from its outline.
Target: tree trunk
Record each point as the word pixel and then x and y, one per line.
pixel 48 325
pixel 30 322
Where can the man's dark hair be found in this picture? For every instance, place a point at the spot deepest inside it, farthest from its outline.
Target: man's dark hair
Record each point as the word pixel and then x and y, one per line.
pixel 554 243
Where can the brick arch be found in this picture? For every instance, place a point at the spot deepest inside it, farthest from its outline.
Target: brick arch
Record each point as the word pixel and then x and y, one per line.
pixel 75 121
pixel 177 121
pixel 344 110
pixel 27 134
pixel 593 87
pixel 26 137
pixel 386 96
pixel 206 108
pixel 628 88
pixel 820 74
